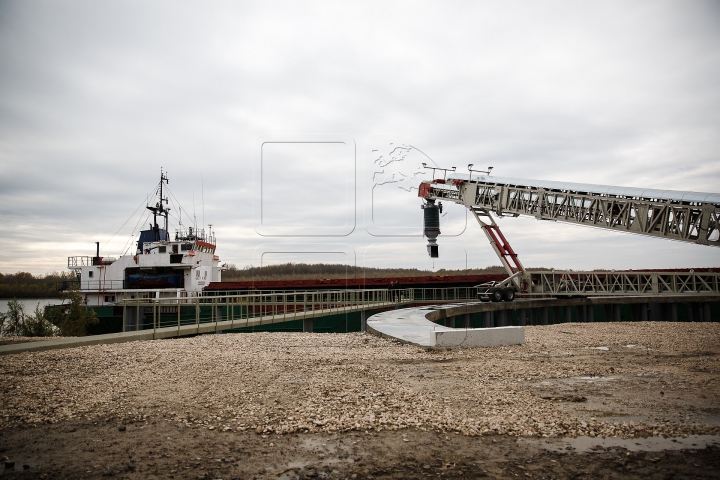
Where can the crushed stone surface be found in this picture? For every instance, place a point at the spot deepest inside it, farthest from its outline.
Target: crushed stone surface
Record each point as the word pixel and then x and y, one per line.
pixel 653 379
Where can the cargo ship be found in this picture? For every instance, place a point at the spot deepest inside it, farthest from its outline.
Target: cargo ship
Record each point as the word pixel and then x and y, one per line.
pixel 161 266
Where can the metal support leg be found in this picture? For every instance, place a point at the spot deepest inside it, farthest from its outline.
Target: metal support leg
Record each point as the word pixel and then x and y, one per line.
pixel 450 322
pixel 616 313
pixel 590 313
pixel 568 314
pixel 690 311
pixel 467 320
pixel 673 312
pixel 307 325
pixel 644 312
pixel 544 316
pixel 707 316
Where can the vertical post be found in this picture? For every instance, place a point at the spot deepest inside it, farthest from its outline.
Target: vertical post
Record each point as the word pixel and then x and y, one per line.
pixel 673 312
pixel 450 322
pixel 363 320
pixel 467 320
pixel 218 315
pixel 544 316
pixel 707 316
pixel 197 313
pixel 644 307
pixel 487 319
pixel 178 315
pixel 590 313
pixel 521 317
pixel 616 313
pixel 307 325
pixel 568 314
pixel 124 317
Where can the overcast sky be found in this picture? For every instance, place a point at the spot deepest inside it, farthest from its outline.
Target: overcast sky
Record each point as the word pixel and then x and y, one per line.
pixel 96 96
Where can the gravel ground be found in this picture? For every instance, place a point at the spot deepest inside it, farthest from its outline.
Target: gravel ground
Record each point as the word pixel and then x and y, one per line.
pixel 280 382
pixel 604 379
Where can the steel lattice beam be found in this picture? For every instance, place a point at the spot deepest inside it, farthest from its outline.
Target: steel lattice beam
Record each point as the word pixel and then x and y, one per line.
pixel 684 216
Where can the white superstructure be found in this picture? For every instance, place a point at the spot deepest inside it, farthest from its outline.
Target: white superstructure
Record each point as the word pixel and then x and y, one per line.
pixel 161 267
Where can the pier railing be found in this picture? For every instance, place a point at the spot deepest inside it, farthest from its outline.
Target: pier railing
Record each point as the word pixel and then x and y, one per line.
pixel 252 309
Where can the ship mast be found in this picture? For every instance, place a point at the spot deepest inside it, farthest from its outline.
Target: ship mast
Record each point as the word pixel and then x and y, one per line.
pixel 160 210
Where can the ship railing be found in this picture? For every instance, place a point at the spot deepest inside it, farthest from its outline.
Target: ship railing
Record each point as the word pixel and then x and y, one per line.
pixel 91 285
pixel 81 261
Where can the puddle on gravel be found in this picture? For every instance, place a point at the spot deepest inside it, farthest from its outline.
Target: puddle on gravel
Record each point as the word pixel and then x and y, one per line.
pixel 650 444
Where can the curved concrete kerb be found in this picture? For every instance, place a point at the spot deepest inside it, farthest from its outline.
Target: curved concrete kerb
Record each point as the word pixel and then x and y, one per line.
pixel 416 326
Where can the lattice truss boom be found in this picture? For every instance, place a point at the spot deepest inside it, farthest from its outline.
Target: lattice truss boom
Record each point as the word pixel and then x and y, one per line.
pixel 672 218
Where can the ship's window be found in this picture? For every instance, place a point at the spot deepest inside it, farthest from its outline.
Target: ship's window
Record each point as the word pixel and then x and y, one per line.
pixel 109 298
pixel 175 248
pixel 186 246
pixel 162 249
pixel 90 274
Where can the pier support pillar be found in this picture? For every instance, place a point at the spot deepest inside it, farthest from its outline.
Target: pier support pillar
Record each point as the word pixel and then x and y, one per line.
pixel 673 312
pixel 363 320
pixel 450 322
pixel 568 314
pixel 544 316
pixel 616 313
pixel 130 319
pixel 307 325
pixel 487 319
pixel 521 317
pixel 707 313
pixel 644 312
pixel 590 318
pixel 467 320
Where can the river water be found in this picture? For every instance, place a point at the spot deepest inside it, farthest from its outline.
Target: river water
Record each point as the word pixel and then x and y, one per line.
pixel 30 303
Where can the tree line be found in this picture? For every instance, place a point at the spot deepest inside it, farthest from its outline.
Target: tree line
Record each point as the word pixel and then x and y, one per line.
pixel 27 285
pixel 305 271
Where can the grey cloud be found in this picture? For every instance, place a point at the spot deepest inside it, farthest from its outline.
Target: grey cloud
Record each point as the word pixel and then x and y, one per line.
pixel 95 97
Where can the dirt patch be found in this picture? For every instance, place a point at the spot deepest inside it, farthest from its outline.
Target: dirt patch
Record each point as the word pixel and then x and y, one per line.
pixel 164 450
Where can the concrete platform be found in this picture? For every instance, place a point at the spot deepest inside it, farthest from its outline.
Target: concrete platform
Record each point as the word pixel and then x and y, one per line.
pixel 415 326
